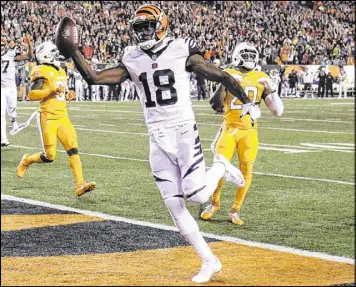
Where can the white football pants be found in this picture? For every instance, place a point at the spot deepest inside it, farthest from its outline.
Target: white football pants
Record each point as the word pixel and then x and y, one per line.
pixel 9 104
pixel 79 91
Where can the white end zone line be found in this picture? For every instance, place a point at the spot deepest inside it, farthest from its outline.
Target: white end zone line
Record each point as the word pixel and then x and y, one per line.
pixel 277 248
pixel 145 160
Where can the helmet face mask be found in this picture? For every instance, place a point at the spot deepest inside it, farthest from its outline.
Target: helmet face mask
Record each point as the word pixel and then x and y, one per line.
pixel 144 31
pixel 47 53
pixel 149 26
pixel 245 55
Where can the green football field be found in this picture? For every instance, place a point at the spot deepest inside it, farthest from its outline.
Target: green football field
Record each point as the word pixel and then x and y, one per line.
pixel 302 193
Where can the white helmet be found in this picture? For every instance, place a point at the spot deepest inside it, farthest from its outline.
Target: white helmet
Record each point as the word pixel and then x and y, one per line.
pixel 245 55
pixel 216 63
pixel 258 68
pixel 47 53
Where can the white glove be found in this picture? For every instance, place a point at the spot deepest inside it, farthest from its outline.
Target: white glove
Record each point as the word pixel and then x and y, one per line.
pixel 253 110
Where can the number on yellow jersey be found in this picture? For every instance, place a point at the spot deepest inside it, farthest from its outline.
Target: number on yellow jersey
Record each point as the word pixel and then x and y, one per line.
pixel 54 107
pixel 254 90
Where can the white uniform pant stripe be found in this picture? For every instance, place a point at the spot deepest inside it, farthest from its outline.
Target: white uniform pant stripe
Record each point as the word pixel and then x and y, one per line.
pixel 213 144
pixel 38 117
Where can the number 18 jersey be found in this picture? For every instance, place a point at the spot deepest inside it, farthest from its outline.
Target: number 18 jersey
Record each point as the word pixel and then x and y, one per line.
pixel 163 82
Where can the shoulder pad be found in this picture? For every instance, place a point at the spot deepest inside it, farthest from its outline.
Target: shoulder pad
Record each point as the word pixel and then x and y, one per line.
pixel 188 45
pixel 41 72
pixel 131 52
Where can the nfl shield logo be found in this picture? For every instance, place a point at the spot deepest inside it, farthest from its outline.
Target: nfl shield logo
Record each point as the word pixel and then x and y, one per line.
pixel 154 57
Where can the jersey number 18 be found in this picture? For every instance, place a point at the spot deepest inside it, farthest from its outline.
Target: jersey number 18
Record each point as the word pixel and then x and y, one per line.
pixel 160 88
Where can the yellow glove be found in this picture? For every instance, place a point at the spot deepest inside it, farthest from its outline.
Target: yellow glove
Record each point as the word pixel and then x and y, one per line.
pixel 71 96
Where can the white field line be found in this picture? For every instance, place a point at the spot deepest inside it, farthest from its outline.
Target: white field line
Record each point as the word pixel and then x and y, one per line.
pixel 239 241
pixel 343 144
pixel 326 146
pixel 286 129
pixel 265 118
pixel 205 139
pixel 347 103
pixel 145 160
pixel 108 125
pixel 78 109
pixel 268 128
pixel 305 178
pixel 284 150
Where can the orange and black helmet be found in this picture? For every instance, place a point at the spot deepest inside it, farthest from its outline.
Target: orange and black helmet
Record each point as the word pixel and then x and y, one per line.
pixel 150 25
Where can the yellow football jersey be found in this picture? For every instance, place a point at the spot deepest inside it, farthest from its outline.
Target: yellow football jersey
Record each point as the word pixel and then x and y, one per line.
pixel 233 106
pixel 54 107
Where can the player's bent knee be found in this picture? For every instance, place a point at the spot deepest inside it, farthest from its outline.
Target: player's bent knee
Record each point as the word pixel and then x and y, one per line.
pixel 246 169
pixel 198 196
pixel 181 216
pixel 175 205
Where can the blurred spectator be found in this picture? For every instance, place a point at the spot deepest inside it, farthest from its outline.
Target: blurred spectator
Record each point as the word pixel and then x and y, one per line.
pixel 321 84
pixel 283 31
pixel 329 85
pixel 293 82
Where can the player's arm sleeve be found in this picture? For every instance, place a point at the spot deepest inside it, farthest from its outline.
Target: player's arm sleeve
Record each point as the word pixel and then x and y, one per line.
pixel 38 90
pixel 217 100
pixel 270 96
pixel 111 76
pixel 274 104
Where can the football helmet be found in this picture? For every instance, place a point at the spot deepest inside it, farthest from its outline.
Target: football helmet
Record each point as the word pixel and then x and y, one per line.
pixel 217 63
pixel 47 53
pixel 149 26
pixel 4 46
pixel 245 55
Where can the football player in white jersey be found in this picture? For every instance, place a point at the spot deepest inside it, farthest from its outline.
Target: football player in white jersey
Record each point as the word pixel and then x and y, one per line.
pixel 125 90
pixel 78 85
pixel 160 67
pixel 8 83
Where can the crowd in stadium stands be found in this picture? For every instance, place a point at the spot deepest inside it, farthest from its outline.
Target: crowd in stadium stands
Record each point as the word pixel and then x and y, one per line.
pixel 288 32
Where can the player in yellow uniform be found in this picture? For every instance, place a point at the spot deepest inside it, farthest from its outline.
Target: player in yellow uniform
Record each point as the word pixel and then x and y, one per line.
pixel 49 86
pixel 238 134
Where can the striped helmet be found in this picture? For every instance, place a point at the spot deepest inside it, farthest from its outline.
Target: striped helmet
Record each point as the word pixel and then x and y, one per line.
pixel 149 26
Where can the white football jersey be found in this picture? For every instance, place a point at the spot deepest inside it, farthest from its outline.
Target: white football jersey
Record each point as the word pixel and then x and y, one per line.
pixel 77 78
pixel 162 81
pixel 8 70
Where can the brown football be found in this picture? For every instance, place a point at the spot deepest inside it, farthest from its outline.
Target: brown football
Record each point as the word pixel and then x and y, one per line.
pixel 67 37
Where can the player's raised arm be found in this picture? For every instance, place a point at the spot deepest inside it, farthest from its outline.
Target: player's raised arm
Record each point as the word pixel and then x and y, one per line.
pixel 197 64
pixel 29 54
pixel 67 42
pixel 115 75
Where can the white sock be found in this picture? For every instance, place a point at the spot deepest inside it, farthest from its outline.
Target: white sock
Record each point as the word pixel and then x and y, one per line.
pixel 200 246
pixel 213 175
pixel 3 129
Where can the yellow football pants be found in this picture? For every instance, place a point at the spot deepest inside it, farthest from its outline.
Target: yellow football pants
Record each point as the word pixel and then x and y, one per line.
pixel 245 143
pixel 51 129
